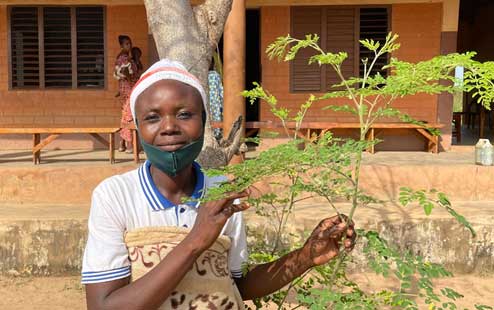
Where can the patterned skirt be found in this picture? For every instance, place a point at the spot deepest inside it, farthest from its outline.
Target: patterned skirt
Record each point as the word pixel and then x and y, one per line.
pixel 126 120
pixel 125 88
pixel 207 285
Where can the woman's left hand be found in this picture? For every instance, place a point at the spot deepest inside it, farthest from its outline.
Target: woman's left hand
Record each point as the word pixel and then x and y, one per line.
pixel 324 242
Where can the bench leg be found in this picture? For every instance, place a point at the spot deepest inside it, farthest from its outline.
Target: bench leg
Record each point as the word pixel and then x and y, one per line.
pixel 135 146
pixel 37 154
pixel 431 142
pixel 435 148
pixel 432 145
pixel 111 147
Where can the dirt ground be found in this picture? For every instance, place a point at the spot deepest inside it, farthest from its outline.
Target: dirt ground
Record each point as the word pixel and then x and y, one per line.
pixel 41 293
pixel 56 293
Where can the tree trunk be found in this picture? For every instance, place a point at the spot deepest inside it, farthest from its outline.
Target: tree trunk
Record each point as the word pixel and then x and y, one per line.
pixel 190 36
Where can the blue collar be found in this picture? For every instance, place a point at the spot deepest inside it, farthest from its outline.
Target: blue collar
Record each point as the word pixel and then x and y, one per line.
pixel 159 202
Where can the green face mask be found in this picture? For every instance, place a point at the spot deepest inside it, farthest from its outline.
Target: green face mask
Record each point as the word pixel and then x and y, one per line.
pixel 173 162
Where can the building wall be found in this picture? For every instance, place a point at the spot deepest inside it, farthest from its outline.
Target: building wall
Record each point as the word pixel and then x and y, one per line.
pixel 419 27
pixel 70 107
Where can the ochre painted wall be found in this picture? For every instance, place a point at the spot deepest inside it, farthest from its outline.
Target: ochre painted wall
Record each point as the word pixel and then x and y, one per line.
pixel 419 27
pixel 70 107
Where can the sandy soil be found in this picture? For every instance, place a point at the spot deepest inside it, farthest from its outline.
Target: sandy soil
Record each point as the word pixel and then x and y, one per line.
pixel 56 293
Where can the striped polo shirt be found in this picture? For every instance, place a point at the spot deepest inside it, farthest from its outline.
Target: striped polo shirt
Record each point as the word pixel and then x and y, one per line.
pixel 131 200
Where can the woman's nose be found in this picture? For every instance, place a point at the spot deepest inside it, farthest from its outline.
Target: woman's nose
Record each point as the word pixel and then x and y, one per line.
pixel 168 125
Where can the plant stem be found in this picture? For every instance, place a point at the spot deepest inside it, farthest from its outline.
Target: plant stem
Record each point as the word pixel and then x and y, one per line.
pixel 356 178
pixel 358 163
pixel 333 206
pixel 364 126
pixel 342 252
pixel 284 216
pixel 302 199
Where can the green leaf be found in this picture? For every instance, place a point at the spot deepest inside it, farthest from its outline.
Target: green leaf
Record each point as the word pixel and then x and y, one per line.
pixel 462 220
pixel 370 44
pixel 341 108
pixel 483 307
pixel 329 59
pixel 428 206
pixel 451 294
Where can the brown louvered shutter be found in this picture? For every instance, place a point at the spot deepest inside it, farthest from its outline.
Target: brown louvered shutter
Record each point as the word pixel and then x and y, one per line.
pixel 57 47
pixel 304 77
pixel 24 47
pixel 373 25
pixel 90 47
pixel 340 37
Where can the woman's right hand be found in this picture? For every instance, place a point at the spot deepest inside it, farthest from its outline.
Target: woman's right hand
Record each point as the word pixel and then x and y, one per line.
pixel 212 216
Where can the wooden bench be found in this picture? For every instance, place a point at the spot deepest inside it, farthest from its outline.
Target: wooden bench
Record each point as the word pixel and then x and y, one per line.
pixel 55 132
pixel 431 144
pixel 308 128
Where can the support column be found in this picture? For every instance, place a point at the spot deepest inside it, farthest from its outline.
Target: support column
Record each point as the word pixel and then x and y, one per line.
pixel 449 33
pixel 234 68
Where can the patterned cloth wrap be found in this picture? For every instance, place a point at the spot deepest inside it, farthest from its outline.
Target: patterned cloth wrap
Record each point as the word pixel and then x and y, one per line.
pixel 207 285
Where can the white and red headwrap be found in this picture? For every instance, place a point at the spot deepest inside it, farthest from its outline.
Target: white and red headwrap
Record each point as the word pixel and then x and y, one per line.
pixel 164 69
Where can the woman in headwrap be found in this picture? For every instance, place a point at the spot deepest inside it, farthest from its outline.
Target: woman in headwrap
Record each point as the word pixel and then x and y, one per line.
pixel 149 249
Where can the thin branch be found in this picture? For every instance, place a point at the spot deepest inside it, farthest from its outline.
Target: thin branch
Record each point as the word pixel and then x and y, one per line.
pixel 333 206
pixel 387 104
pixel 342 78
pixel 275 211
pixel 284 215
pixel 373 104
pixel 302 199
pixel 299 122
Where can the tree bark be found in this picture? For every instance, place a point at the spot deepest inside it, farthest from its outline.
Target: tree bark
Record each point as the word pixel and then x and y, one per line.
pixel 190 36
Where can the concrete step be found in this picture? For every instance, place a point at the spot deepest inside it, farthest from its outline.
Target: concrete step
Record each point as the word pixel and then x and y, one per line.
pixel 42 239
pixel 438 237
pixel 49 239
pixel 57 184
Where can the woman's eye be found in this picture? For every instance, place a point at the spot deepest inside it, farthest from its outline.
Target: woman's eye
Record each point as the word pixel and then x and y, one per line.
pixel 184 115
pixel 151 117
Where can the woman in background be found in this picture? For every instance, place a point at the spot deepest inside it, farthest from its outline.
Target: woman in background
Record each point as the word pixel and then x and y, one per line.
pixel 126 120
pixel 127 73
